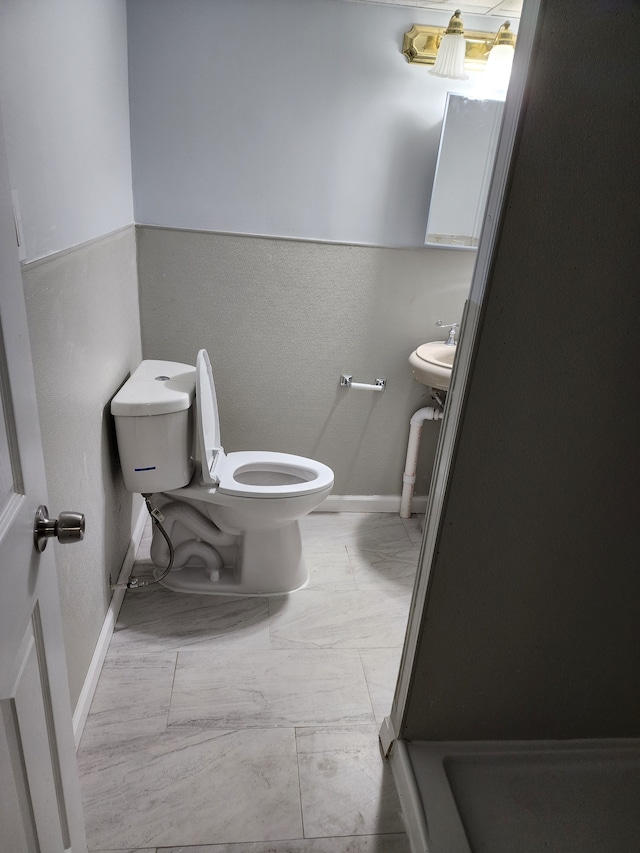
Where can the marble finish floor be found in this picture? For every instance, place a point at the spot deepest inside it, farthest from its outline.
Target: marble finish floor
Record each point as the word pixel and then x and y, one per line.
pixel 250 725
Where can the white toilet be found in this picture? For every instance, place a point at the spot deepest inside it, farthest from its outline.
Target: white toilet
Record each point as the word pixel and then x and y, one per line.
pixel 232 518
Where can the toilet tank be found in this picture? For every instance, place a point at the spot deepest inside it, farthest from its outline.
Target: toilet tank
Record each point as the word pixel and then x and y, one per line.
pixel 153 413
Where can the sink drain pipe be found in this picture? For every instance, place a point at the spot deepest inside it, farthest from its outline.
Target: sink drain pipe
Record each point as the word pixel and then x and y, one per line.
pixel 429 413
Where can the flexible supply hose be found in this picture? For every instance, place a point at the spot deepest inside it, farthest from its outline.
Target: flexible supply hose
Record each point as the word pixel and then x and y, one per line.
pixel 428 413
pixel 136 582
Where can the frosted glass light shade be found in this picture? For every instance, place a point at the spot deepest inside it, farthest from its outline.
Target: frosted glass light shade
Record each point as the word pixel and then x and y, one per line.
pixel 498 68
pixel 450 59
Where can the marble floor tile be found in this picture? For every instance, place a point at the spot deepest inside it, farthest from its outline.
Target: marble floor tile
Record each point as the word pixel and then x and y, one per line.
pixel 329 567
pixel 132 695
pixel 346 787
pixel 189 788
pixel 414 526
pixel 249 671
pixel 384 570
pixel 405 550
pixel 156 618
pixel 381 672
pixel 360 529
pixel 347 620
pixel 397 843
pixel 306 687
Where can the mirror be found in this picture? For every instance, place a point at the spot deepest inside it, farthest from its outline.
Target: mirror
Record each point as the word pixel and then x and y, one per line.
pixel 468 143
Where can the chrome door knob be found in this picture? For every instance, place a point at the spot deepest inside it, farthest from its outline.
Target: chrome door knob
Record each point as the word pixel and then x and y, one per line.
pixel 68 527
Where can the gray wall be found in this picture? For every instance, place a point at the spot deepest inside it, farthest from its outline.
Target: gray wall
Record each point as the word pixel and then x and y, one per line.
pixel 285 118
pixel 84 325
pixel 531 626
pixel 63 93
pixel 283 319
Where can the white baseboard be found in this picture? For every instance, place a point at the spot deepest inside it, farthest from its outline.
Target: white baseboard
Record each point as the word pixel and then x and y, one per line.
pixel 387 736
pixel 369 503
pixel 95 667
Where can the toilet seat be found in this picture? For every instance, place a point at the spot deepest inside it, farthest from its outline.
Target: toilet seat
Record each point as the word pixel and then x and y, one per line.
pixel 263 474
pixel 249 474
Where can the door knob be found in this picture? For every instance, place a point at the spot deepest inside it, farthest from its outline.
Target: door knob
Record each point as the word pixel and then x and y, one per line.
pixel 68 527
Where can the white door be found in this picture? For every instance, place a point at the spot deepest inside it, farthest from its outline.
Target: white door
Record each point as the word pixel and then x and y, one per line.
pixel 40 804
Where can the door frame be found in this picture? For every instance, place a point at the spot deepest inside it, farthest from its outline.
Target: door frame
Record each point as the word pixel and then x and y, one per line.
pixel 461 377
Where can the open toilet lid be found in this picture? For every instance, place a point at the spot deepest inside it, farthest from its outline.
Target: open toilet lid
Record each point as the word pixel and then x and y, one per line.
pixel 208 426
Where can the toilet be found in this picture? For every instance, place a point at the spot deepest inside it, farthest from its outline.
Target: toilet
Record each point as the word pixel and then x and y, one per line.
pixel 232 518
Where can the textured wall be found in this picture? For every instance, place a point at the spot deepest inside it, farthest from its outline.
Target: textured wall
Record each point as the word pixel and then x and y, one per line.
pixel 285 118
pixel 531 625
pixel 283 319
pixel 82 310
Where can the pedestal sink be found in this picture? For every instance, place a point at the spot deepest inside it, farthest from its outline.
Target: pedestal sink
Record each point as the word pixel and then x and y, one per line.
pixel 432 364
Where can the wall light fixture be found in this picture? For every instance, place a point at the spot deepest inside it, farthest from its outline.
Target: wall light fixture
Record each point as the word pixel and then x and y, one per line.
pixel 500 58
pixel 451 51
pixel 423 45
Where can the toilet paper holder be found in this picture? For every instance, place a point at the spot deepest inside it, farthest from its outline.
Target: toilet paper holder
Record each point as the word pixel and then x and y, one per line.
pixel 346 381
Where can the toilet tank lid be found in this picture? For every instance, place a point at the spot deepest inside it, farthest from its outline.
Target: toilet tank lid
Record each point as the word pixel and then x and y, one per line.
pixel 156 388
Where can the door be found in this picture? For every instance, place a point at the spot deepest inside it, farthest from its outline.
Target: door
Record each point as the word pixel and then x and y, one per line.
pixel 513 113
pixel 40 804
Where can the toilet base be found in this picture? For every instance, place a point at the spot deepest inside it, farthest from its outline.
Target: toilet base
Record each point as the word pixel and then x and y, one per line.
pixel 209 561
pixel 195 579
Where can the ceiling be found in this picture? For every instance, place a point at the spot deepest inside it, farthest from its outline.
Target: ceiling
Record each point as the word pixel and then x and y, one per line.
pixel 501 8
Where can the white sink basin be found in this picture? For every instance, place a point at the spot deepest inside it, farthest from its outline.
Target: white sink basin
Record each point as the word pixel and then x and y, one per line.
pixel 432 364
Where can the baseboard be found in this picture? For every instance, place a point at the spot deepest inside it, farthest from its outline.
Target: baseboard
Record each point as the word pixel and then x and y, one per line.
pixel 409 795
pixel 387 736
pixel 369 503
pixel 95 667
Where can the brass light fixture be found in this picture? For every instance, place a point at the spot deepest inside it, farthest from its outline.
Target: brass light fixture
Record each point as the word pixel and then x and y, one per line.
pixel 451 51
pixel 421 43
pixel 500 59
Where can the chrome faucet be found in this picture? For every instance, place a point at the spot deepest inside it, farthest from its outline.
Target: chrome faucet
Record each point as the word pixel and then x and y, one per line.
pixel 451 340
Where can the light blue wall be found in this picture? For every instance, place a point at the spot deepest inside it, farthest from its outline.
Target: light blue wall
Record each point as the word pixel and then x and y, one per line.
pixel 64 100
pixel 284 118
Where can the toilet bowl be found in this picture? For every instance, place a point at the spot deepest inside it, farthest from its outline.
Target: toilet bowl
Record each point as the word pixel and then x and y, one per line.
pixel 232 518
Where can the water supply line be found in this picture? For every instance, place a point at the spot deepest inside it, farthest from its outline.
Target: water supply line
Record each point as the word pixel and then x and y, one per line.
pixel 135 582
pixel 428 413
pixel 207 538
